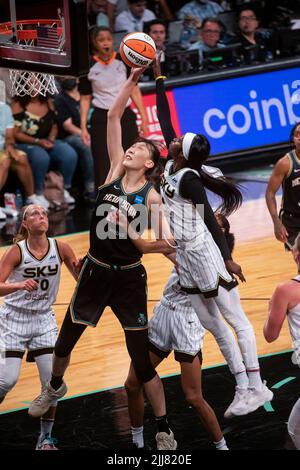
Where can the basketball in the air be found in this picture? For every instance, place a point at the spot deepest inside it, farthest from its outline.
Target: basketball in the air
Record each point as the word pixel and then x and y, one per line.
pixel 137 50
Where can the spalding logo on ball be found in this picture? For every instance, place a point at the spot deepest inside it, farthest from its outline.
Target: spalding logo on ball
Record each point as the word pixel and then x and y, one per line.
pixel 137 50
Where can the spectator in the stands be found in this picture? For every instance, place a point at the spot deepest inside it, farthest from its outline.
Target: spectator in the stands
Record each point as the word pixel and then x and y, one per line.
pixel 97 12
pixel 35 134
pixel 67 105
pixel 134 17
pixel 5 85
pixel 193 14
pixel 114 8
pixel 157 29
pixel 209 36
pixel 199 9
pixel 161 8
pixel 11 158
pixel 256 47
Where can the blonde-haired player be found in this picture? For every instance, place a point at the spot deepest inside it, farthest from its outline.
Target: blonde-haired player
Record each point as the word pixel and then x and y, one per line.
pixel 285 303
pixel 29 280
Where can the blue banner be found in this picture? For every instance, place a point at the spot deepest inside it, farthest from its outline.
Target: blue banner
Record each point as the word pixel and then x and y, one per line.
pixel 241 113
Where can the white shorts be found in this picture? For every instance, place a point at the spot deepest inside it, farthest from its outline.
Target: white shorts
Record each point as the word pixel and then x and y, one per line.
pixel 175 329
pixel 34 332
pixel 203 271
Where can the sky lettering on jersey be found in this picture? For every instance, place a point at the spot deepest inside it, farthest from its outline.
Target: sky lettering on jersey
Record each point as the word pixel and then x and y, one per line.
pixel 38 271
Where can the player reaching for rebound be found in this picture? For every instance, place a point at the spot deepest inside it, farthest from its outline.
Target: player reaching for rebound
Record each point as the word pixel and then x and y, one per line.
pixel 29 280
pixel 176 327
pixel 112 274
pixel 285 303
pixel 205 263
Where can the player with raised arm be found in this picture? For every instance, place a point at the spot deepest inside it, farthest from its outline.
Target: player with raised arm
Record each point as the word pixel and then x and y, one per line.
pixel 205 263
pixel 112 274
pixel 176 327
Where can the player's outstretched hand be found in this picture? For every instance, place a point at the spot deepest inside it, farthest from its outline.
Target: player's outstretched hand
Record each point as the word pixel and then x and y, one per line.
pixel 136 72
pixel 29 285
pixel 236 269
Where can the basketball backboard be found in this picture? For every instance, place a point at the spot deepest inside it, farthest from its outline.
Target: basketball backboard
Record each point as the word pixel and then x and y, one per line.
pixel 44 36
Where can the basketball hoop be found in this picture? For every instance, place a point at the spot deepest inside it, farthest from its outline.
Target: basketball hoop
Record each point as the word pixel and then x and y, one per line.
pixel 26 34
pixel 32 83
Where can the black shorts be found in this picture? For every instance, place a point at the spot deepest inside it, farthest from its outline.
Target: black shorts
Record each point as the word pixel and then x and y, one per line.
pixel 123 289
pixel 178 356
pixel 291 223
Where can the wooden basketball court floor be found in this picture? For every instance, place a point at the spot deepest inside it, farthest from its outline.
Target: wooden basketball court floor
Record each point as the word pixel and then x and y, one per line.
pixel 100 360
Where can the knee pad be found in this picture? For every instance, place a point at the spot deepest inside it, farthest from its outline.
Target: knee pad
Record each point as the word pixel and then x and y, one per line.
pixel 144 370
pixel 137 346
pixel 68 336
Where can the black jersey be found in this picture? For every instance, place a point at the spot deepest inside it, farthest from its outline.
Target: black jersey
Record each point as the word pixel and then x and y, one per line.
pixel 291 187
pixel 108 242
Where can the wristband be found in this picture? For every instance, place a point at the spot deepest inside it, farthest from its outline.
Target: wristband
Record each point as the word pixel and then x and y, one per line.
pixel 163 77
pixel 36 141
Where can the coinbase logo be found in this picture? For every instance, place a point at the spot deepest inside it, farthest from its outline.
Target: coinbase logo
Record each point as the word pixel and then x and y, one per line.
pixel 242 112
pixel 240 118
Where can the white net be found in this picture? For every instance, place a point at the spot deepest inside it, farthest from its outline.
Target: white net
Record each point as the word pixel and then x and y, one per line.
pixel 32 83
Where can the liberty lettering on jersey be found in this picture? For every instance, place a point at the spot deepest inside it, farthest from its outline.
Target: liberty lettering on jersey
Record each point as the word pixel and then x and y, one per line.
pixel 123 204
pixel 296 182
pixel 109 241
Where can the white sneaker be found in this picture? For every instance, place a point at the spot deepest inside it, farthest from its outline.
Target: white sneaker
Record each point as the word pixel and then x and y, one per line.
pixel 43 402
pixel 165 441
pixel 68 198
pixel 238 403
pixel 2 214
pixel 258 396
pixel 39 200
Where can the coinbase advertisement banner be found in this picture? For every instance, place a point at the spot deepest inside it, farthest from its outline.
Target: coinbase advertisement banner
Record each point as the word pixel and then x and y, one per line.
pixel 241 113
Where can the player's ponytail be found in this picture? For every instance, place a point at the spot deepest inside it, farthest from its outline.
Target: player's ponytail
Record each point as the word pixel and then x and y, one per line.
pixel 196 150
pixel 224 187
pixel 23 232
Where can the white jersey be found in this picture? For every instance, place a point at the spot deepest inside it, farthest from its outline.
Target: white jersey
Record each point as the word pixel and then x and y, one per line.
pixel 173 296
pixel 46 272
pixel 293 318
pixel 175 325
pixel 201 265
pixel 186 223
